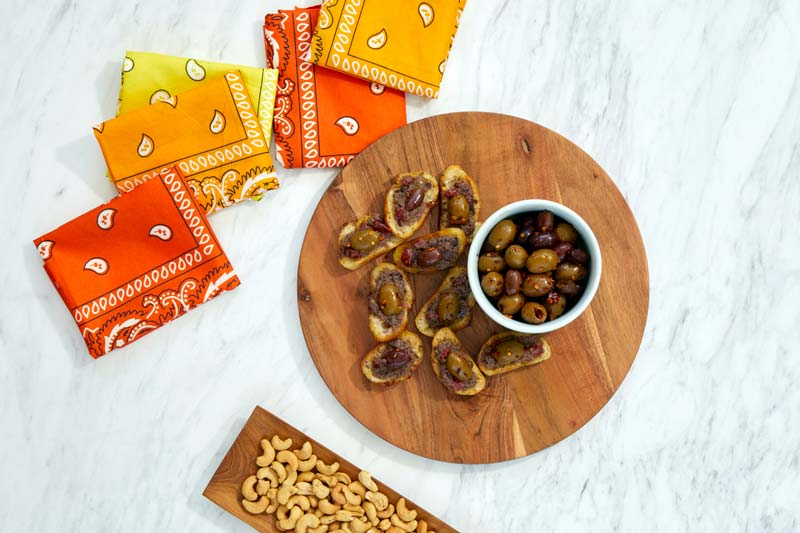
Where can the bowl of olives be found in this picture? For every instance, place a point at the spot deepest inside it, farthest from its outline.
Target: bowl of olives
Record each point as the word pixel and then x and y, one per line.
pixel 534 266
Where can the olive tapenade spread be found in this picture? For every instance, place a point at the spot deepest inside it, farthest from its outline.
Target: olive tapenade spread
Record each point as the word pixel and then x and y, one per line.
pixel 409 199
pixel 393 361
pixel 439 252
pixel 368 235
pixel 455 367
pixel 460 206
pixel 449 305
pixel 386 301
pixel 511 351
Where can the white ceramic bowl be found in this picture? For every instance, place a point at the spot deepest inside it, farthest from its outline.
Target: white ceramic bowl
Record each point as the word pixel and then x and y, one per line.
pixel 531 206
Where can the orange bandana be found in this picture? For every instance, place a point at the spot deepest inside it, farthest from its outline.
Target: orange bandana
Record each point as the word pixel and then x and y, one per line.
pixel 401 44
pixel 322 118
pixel 135 263
pixel 211 133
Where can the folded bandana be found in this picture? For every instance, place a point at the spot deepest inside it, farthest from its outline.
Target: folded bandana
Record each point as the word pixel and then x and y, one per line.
pixel 400 43
pixel 211 133
pixel 149 78
pixel 130 266
pixel 322 118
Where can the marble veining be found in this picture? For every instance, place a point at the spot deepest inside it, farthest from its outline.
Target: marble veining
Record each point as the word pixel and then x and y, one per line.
pixel 692 107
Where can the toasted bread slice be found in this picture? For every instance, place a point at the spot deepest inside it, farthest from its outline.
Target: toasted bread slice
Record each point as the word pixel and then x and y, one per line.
pixel 455 281
pixel 490 365
pixel 393 361
pixel 473 381
pixel 403 218
pixel 385 327
pixel 455 180
pixel 449 242
pixel 352 259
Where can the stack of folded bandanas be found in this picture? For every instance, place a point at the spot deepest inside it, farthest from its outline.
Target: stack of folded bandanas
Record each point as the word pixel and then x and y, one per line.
pixel 192 137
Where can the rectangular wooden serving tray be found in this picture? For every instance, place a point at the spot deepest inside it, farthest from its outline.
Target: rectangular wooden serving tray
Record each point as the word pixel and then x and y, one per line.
pixel 225 487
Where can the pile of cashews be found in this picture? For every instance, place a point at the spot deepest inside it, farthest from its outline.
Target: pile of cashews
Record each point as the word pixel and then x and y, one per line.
pixel 308 496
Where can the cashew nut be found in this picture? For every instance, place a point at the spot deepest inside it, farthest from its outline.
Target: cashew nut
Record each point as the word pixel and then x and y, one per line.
pixel 327 519
pixel 328 470
pixel 379 499
pixel 344 515
pixel 422 526
pixel 385 524
pixel 345 526
pixel 287 458
pixel 357 510
pixel 304 488
pixel 291 476
pixel 268 473
pixel 256 507
pixel 405 526
pixel 266 458
pixel 305 476
pixel 306 521
pixel 386 513
pixel 371 511
pixel 395 529
pixel 313 500
pixel 320 490
pixel 308 464
pixel 327 507
pixel 357 526
pixel 335 526
pixel 344 478
pixel 272 494
pixel 262 487
pixel 337 496
pixel 280 470
pixel 328 480
pixel 248 490
pixel 279 444
pixel 320 529
pixel 373 530
pixel 403 512
pixel 298 500
pixel 304 452
pixel 357 488
pixel 285 492
pixel 282 513
pixel 287 524
pixel 366 479
pixel 352 499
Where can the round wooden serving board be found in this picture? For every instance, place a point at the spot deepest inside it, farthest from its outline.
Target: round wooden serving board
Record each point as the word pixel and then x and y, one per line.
pixel 518 413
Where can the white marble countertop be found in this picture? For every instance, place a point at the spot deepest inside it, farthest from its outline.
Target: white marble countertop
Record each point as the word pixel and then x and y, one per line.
pixel 692 107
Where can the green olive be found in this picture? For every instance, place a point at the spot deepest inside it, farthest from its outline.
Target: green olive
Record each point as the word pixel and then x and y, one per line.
pixel 536 285
pixel 570 271
pixel 508 352
pixel 541 261
pixel 515 256
pixel 533 313
pixel 364 240
pixel 509 305
pixel 459 366
pixel 491 262
pixel 492 284
pixel 448 306
pixel 458 209
pixel 555 310
pixel 501 235
pixel 389 299
pixel 566 233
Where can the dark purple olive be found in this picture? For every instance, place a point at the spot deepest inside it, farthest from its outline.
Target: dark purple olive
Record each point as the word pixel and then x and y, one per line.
pixel 429 257
pixel 545 221
pixel 524 235
pixel 578 256
pixel 414 198
pixel 562 250
pixel 528 222
pixel 513 282
pixel 544 240
pixel 567 287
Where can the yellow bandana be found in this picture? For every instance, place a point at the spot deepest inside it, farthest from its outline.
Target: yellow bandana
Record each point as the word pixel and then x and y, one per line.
pixel 402 44
pixel 149 78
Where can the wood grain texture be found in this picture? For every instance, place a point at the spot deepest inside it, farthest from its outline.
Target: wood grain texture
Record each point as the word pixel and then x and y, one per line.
pixel 518 413
pixel 225 486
